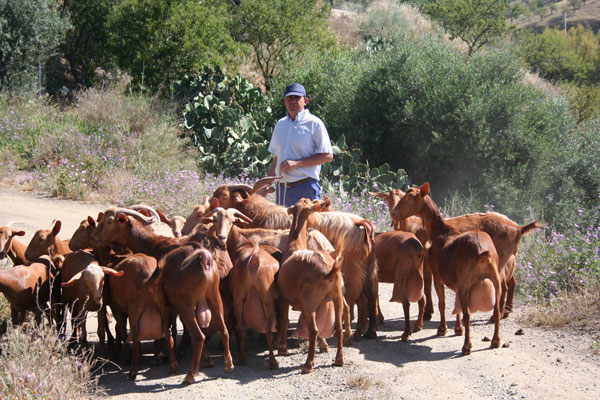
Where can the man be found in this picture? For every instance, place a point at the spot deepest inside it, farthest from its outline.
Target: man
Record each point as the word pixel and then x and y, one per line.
pixel 301 145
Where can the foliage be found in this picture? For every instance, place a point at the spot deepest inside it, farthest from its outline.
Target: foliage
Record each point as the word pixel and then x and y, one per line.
pixel 475 22
pixel 94 150
pixel 30 32
pixel 157 41
pixel 227 120
pixel 346 174
pixel 86 44
pixel 279 31
pixel 35 363
pixel 561 56
pixel 564 261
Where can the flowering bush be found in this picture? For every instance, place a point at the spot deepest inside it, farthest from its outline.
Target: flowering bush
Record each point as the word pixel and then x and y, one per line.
pixel 551 266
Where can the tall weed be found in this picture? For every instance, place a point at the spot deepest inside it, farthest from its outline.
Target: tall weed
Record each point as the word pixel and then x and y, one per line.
pixel 35 363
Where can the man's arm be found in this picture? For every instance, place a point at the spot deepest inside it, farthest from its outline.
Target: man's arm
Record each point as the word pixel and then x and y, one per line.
pixel 273 166
pixel 289 165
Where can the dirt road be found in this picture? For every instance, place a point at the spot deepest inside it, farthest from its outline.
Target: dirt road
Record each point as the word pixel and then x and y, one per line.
pixel 541 364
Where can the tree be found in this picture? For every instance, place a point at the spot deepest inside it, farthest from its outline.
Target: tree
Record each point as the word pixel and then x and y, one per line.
pixel 280 30
pixel 475 22
pixel 158 41
pixel 86 45
pixel 30 32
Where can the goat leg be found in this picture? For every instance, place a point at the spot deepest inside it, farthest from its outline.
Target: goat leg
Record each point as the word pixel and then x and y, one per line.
pixel 313 332
pixel 419 322
pixel 406 307
pixel 464 301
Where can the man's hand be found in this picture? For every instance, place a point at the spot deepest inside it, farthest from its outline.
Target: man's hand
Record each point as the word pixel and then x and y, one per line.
pixel 288 165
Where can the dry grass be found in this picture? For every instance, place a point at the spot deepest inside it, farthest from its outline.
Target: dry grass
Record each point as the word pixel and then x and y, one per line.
pixel 578 308
pixel 360 382
pixel 35 363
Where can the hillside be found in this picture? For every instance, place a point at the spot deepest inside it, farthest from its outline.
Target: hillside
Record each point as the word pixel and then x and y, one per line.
pixel 587 15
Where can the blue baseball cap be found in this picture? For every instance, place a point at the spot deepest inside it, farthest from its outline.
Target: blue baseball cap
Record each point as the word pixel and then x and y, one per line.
pixel 295 89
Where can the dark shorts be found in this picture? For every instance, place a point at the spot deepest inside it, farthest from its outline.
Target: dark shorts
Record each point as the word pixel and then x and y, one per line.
pixel 289 196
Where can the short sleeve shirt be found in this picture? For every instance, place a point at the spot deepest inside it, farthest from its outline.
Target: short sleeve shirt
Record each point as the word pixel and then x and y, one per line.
pixel 301 138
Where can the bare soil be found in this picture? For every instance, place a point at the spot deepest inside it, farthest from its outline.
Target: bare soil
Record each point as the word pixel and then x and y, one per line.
pixel 541 363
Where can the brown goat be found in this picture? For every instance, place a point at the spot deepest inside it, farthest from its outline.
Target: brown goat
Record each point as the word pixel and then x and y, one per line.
pixel 27 288
pixel 252 284
pixel 170 253
pixel 137 295
pixel 465 262
pixel 46 241
pixel 10 246
pixel 310 281
pixel 252 203
pixel 506 236
pixel 190 280
pixel 353 236
pixel 400 258
pixel 412 224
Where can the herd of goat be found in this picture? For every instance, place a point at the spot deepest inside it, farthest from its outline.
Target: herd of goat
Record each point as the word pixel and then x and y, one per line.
pixel 240 261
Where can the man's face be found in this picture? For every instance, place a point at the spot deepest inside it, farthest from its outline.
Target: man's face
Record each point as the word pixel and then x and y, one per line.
pixel 295 104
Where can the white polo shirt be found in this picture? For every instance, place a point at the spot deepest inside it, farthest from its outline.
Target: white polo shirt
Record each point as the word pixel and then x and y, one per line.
pixel 301 138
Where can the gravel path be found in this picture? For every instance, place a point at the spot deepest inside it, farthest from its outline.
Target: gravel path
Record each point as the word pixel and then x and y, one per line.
pixel 540 364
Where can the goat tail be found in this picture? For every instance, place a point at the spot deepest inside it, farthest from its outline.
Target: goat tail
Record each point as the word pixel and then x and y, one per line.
pixel 336 268
pixel 531 226
pixel 203 255
pixel 254 260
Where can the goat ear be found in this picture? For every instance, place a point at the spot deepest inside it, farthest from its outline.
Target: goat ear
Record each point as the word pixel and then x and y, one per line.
pixel 144 212
pixel 424 189
pixel 122 218
pixel 56 228
pixel 18 233
pixel 100 215
pixel 207 220
pixel 381 195
pixel 91 221
pixel 162 216
pixel 291 210
pixel 110 271
pixel 74 279
pixel 214 203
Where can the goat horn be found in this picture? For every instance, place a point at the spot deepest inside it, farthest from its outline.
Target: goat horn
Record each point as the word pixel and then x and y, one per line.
pixel 136 214
pixel 264 182
pixel 137 207
pixel 242 216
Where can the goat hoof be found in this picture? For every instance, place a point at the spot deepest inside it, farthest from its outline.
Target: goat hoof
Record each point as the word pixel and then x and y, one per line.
pixel 370 335
pixel 282 351
pixel 505 315
pixel 174 368
pixel 273 364
pixel 417 327
pixel 228 366
pixel 458 331
pixel 207 363
pixel 495 343
pixel 189 379
pixel 466 350
pixel 132 376
pixel 427 317
pixel 339 362
pixel 306 369
pixel 405 337
pixel 442 331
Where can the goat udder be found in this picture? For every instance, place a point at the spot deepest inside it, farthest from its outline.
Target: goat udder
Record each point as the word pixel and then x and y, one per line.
pixel 325 321
pixel 254 314
pixel 203 315
pixel 150 325
pixel 482 297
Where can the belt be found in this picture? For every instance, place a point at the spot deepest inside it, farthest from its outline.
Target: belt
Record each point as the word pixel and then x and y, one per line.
pixel 296 183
